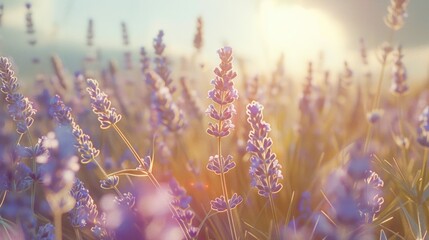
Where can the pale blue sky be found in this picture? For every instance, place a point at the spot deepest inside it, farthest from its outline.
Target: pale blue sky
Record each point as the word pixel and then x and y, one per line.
pixel 258 30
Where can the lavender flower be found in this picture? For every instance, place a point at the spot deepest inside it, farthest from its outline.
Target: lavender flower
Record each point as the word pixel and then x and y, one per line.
pixel 198 38
pixel 127 200
pixel 215 165
pixel 100 103
pixel 224 94
pixel 190 100
pixel 85 210
pixel 46 232
pixel 370 199
pixel 220 205
pixel 100 230
pixel 83 142
pixel 265 169
pixel 161 63
pixel 423 128
pixel 399 74
pixel 19 107
pixel 181 205
pixel 305 101
pixel 110 182
pixel 396 14
pixel 90 33
pixel 169 113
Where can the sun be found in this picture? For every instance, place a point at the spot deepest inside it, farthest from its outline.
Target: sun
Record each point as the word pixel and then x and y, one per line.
pixel 300 33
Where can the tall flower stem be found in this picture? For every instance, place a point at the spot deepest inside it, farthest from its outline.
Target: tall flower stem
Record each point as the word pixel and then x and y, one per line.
pixel 423 172
pixel 58 225
pixel 151 177
pixel 224 186
pixel 376 102
pixel 273 211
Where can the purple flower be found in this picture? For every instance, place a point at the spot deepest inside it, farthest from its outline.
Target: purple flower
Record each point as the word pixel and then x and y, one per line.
pixel 224 94
pixel 83 142
pixel 198 38
pixel 265 169
pixel 100 103
pixel 181 202
pixel 399 74
pixel 423 128
pixel 222 165
pixel 127 200
pixel 19 107
pixel 46 232
pixel 85 210
pixel 220 205
pixel 169 114
pixel 110 182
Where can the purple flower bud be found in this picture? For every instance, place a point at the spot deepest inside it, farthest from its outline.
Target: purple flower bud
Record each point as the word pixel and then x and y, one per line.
pixel 215 164
pixel 110 182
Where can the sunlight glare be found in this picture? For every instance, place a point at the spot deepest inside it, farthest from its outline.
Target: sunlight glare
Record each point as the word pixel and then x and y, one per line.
pixel 300 33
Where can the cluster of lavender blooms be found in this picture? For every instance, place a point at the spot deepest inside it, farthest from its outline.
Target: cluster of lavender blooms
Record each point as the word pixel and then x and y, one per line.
pixel 83 143
pixel 190 102
pixel 198 38
pixel 85 210
pixel 20 108
pixel 265 169
pixel 223 94
pixel 161 63
pixel 423 128
pixel 399 74
pixel 168 113
pixel 396 14
pixel 164 109
pixel 355 194
pixel 181 203
pixel 29 24
pixel 107 116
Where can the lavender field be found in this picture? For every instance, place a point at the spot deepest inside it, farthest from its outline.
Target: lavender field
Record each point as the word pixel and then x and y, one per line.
pixel 246 119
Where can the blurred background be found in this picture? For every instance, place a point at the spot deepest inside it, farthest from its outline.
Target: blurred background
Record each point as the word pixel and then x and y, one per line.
pixel 259 31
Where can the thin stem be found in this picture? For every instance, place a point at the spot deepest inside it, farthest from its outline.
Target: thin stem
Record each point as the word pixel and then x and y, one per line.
pixel 33 185
pixel 151 177
pixel 105 176
pixel 7 232
pixel 124 138
pixel 77 233
pixel 223 182
pixel 58 225
pixel 378 94
pixel 172 209
pixel 424 169
pixel 273 211
pixel 3 197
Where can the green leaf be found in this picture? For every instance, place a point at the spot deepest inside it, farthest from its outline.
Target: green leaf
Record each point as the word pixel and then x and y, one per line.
pixel 130 172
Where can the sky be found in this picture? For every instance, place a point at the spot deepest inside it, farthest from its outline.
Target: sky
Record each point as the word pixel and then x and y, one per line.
pixel 259 31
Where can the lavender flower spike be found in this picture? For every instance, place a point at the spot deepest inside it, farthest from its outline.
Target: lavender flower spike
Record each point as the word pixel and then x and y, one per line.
pixel 85 211
pixel 19 107
pixel 84 145
pixel 265 168
pixel 101 105
pixel 223 94
pixel 423 129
